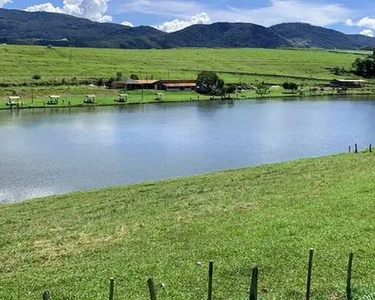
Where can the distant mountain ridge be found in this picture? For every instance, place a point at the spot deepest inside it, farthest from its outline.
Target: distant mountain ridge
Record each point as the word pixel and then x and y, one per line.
pixel 42 28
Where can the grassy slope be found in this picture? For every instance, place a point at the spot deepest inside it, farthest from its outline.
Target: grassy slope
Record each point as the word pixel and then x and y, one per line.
pixel 270 215
pixel 19 63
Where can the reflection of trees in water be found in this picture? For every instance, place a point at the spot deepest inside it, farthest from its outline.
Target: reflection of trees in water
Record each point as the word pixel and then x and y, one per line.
pixel 37 116
pixel 212 105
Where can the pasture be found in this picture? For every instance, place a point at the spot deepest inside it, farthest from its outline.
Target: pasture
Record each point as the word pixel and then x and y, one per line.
pixel 269 215
pixel 20 63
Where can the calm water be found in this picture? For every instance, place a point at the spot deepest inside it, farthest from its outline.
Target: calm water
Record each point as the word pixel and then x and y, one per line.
pixel 44 152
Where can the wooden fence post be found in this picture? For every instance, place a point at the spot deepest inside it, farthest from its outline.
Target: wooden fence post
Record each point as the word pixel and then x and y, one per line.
pixel 349 277
pixel 370 148
pixel 111 288
pixel 151 287
pixel 254 284
pixel 350 149
pixel 46 295
pixel 210 279
pixel 309 274
pixel 356 148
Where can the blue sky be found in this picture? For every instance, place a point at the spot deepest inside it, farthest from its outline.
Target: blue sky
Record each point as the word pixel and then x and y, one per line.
pixel 170 15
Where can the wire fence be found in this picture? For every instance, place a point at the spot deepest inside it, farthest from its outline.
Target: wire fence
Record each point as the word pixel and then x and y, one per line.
pixel 253 293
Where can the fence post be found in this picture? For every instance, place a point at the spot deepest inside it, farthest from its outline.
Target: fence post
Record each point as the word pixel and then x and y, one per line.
pixel 46 295
pixel 370 148
pixel 350 149
pixel 349 277
pixel 309 274
pixel 151 287
pixel 254 284
pixel 111 288
pixel 355 148
pixel 210 279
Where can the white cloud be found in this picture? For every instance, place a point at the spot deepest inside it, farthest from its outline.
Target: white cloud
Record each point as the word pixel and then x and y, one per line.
pixel 349 22
pixel 48 7
pixel 367 23
pixel 91 9
pixel 3 2
pixel 367 32
pixel 126 23
pixel 175 25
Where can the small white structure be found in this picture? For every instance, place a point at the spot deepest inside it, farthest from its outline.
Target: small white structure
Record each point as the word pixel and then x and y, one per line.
pixel 90 99
pixel 159 96
pixel 122 98
pixel 13 100
pixel 53 100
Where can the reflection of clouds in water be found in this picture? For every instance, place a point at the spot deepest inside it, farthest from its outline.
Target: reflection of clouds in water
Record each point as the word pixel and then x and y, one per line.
pixel 98 130
pixel 10 196
pixel 53 153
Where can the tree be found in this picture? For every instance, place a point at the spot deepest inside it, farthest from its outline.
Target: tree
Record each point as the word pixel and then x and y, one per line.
pixel 365 67
pixel 262 89
pixel 134 77
pixel 37 77
pixel 228 90
pixel 110 81
pixel 118 76
pixel 208 83
pixel 100 82
pixel 290 86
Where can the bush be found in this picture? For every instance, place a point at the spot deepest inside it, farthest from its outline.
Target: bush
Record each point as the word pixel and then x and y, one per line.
pixel 118 76
pixel 291 86
pixel 37 76
pixel 262 89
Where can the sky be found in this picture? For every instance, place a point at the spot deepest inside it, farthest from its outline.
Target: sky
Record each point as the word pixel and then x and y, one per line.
pixel 349 16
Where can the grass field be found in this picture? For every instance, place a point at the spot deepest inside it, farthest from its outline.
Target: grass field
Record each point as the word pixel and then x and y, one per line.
pixel 57 66
pixel 269 215
pixel 20 63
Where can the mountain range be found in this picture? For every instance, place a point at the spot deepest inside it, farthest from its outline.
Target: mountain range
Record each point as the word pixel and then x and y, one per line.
pixel 42 28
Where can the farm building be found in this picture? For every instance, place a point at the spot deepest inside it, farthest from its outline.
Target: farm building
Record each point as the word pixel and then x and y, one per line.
pixel 165 85
pixel 347 83
pixel 131 84
pixel 168 85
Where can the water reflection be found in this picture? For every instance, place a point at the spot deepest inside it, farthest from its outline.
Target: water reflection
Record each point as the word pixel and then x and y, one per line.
pixel 48 151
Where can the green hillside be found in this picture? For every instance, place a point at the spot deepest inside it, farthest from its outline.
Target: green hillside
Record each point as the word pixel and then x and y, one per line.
pixel 269 215
pixel 43 28
pixel 20 63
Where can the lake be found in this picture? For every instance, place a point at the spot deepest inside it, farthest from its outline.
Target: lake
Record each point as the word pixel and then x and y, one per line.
pixel 52 151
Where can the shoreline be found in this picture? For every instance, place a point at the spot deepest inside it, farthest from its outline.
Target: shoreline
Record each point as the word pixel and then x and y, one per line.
pixel 268 97
pixel 176 178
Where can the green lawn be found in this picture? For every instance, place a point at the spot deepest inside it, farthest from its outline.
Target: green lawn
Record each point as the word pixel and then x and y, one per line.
pixel 269 215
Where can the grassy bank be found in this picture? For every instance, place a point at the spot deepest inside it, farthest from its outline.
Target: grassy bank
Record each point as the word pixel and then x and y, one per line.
pixel 74 96
pixel 269 215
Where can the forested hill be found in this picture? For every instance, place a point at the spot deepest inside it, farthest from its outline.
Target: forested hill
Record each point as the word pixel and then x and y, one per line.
pixel 41 28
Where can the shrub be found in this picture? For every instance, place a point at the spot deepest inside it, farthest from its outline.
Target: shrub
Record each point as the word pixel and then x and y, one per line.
pixel 37 76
